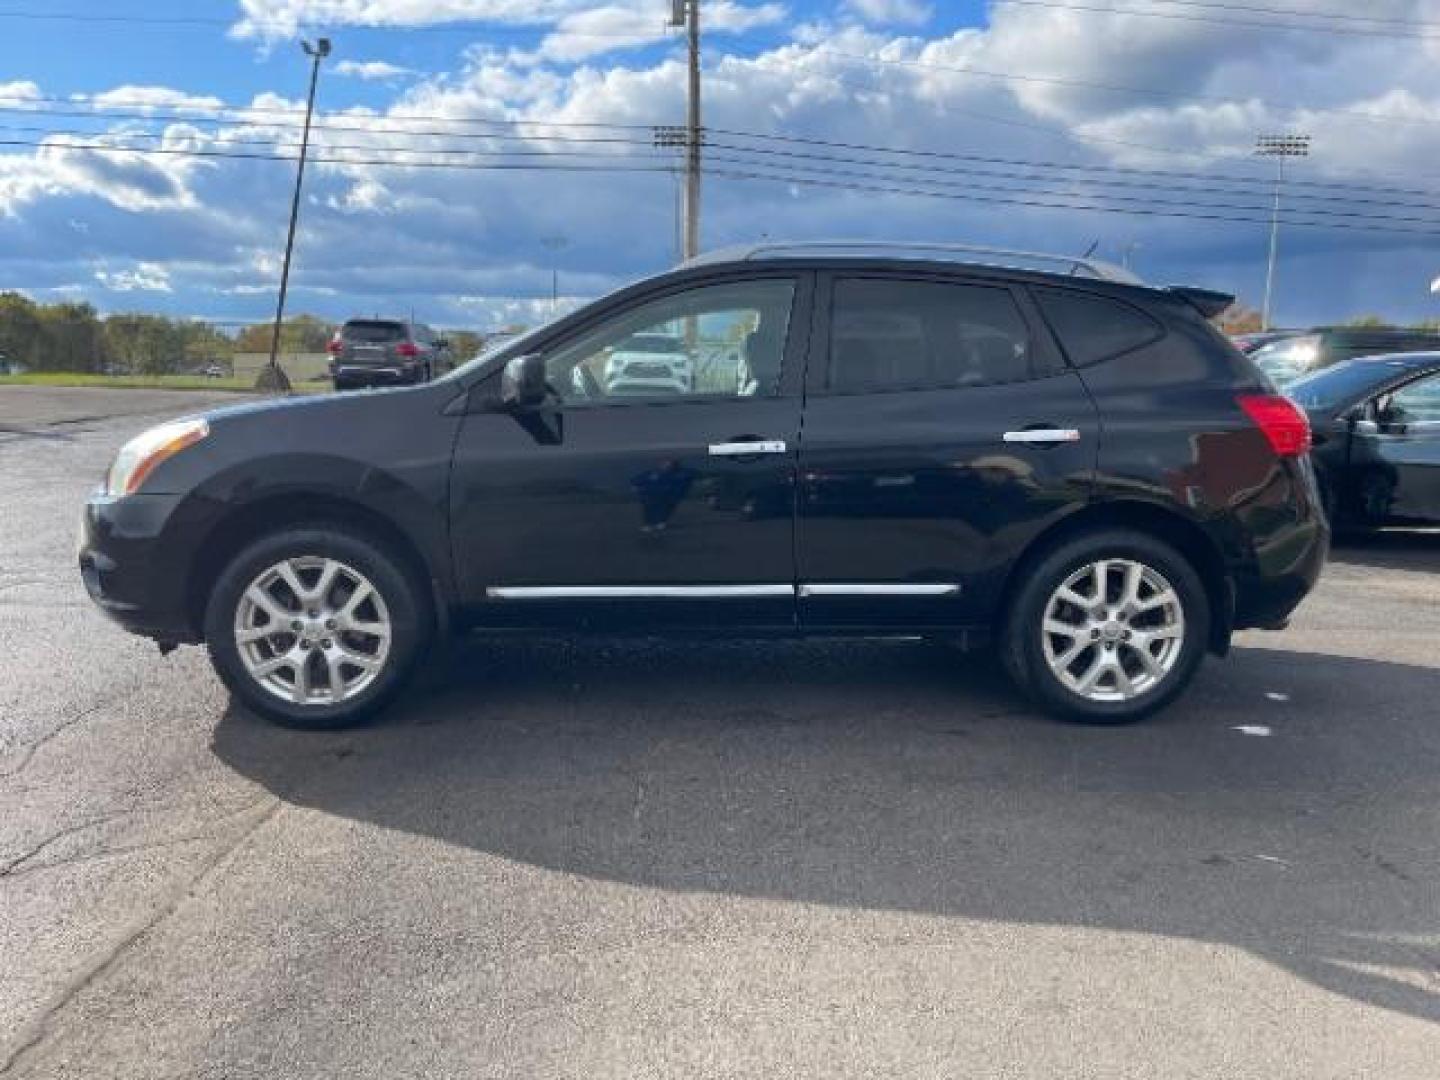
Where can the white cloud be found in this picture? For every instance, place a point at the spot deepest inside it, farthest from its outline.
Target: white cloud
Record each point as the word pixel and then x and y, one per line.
pixel 143 277
pixel 885 12
pixel 19 93
pixel 148 98
pixel 271 19
pixel 371 70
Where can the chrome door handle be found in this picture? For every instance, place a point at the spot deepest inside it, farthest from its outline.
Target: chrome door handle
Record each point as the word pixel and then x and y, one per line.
pixel 746 449
pixel 1043 436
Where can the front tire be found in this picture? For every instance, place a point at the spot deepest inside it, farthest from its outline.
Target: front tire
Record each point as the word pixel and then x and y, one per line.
pixel 317 626
pixel 1107 628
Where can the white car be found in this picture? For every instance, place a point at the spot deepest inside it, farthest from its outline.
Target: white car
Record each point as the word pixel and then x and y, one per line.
pixel 649 364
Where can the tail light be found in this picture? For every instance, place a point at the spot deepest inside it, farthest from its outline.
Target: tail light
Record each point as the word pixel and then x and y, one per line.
pixel 407 349
pixel 335 346
pixel 1281 421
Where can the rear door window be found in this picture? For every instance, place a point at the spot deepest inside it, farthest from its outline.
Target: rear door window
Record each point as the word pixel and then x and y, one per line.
pixel 373 332
pixel 897 334
pixel 1094 328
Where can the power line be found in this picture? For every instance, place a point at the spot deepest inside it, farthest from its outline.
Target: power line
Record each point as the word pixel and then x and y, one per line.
pixel 1104 176
pixel 459 26
pixel 383 126
pixel 1339 16
pixel 1220 20
pixel 1147 201
pixel 1255 187
pixel 1047 204
pixel 176 151
pixel 1003 195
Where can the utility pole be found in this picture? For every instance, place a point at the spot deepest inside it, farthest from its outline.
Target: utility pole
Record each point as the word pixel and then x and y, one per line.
pixel 277 379
pixel 555 244
pixel 686 13
pixel 1278 147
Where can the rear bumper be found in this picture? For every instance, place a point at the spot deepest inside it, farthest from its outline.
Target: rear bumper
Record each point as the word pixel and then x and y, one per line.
pixel 377 375
pixel 130 573
pixel 1287 556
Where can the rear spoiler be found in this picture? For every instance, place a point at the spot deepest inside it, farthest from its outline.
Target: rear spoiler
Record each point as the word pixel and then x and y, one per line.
pixel 1207 301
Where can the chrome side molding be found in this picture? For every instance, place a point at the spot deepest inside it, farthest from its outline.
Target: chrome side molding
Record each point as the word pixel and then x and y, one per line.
pixel 937 588
pixel 714 592
pixel 636 592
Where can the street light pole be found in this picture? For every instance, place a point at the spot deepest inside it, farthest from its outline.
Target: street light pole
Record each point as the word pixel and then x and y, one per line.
pixel 1278 147
pixel 277 378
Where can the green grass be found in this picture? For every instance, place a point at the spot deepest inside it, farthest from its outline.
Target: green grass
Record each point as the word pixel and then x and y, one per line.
pixel 140 382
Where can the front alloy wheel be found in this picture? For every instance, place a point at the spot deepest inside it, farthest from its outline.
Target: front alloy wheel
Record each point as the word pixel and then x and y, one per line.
pixel 317 626
pixel 312 631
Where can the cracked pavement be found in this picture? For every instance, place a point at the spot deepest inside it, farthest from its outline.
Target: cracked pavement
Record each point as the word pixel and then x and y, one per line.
pixel 661 859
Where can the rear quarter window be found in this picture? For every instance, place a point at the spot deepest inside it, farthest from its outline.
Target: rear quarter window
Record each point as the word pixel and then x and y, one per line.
pixel 1094 328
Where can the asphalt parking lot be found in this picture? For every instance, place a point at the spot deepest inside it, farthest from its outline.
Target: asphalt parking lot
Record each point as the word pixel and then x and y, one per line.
pixel 662 859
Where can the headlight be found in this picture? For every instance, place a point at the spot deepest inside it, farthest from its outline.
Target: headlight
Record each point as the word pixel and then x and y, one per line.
pixel 139 457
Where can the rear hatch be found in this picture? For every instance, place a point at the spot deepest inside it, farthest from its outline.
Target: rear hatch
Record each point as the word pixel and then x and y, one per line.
pixel 371 343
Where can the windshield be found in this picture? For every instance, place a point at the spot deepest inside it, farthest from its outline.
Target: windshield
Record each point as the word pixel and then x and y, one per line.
pixel 1329 390
pixel 1285 361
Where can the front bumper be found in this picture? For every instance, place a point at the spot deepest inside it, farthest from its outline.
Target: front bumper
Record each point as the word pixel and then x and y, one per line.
pixel 131 573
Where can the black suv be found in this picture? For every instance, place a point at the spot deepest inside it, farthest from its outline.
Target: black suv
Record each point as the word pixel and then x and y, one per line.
pixel 1069 465
pixel 386 352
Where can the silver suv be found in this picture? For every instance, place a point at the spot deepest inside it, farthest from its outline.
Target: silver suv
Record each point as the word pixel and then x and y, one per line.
pixel 386 352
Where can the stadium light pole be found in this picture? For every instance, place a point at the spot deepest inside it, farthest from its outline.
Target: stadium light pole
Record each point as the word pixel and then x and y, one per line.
pixel 1278 147
pixel 277 378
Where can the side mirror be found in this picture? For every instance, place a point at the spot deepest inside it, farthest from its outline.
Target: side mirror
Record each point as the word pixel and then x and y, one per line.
pixel 1364 426
pixel 522 383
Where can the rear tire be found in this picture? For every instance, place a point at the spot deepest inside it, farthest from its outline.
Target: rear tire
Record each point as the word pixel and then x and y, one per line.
pixel 1107 628
pixel 332 653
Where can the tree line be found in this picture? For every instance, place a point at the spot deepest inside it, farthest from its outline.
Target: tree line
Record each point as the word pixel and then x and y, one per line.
pixel 74 337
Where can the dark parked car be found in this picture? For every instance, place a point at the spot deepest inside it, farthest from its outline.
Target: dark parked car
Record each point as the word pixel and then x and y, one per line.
pixel 1287 360
pixel 1075 467
pixel 386 352
pixel 1377 439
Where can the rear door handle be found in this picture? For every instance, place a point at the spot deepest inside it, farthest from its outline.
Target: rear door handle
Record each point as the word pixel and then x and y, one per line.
pixel 1043 436
pixel 747 449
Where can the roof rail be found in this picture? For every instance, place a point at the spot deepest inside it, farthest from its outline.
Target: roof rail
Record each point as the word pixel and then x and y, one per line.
pixel 1075 265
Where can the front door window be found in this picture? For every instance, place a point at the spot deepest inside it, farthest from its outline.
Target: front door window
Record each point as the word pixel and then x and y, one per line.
pixel 715 341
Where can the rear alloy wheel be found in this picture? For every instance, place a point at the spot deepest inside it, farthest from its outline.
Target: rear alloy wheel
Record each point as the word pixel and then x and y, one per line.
pixel 315 627
pixel 1113 630
pixel 1108 628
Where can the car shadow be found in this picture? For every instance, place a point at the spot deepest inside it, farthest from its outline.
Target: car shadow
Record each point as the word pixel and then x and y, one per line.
pixel 903 777
pixel 1390 549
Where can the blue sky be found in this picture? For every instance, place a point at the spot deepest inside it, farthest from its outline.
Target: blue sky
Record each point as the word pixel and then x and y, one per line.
pixel 1149 113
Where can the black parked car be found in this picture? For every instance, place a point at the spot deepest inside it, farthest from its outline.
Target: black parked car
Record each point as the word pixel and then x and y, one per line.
pixel 1295 356
pixel 1377 439
pixel 1077 468
pixel 386 352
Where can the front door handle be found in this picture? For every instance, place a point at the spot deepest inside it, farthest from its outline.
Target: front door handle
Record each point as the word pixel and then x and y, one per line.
pixel 1043 436
pixel 748 448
